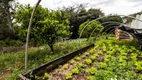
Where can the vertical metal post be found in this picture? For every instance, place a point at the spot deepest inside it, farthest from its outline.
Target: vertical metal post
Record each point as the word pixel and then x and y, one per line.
pixel 28 33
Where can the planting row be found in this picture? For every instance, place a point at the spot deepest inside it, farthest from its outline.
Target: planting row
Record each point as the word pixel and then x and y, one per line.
pixel 103 62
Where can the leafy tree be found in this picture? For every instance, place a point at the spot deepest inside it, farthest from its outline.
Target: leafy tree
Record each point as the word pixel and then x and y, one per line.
pixel 46 27
pixel 78 15
pixel 55 25
pixel 94 13
pixel 87 31
pixel 22 18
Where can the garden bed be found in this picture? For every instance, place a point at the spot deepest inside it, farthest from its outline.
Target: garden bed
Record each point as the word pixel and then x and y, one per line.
pixel 106 61
pixel 53 64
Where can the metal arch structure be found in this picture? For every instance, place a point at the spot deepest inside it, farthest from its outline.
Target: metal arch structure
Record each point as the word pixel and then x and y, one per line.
pixel 118 23
pixel 104 32
pixel 113 30
pixel 104 17
pixel 104 26
pixel 108 25
pixel 108 29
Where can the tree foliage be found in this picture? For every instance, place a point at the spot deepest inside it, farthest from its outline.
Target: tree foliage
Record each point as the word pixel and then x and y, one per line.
pixel 87 31
pixel 78 15
pixel 46 27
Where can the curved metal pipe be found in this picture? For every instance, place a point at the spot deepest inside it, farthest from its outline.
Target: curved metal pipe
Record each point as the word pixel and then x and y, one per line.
pixel 104 26
pixel 28 33
pixel 103 32
pixel 104 17
pixel 108 29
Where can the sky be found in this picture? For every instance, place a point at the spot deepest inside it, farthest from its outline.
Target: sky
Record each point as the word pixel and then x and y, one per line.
pixel 121 7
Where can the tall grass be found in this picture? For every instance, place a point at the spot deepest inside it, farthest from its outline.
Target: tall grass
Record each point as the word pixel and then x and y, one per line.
pixel 37 56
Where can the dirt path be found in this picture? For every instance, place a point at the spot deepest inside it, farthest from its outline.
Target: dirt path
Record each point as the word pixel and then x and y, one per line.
pixel 5 74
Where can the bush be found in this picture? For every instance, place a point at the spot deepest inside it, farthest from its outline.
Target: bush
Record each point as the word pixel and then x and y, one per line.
pixel 2 43
pixel 10 42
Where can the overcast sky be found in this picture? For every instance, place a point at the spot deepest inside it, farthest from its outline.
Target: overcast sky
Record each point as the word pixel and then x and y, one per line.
pixel 123 7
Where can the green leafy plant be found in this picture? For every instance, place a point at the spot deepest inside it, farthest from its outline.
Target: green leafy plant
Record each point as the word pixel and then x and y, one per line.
pixel 96 54
pixel 46 76
pixel 93 57
pixel 65 66
pixel 80 65
pixel 92 51
pixel 92 70
pixel 91 77
pixel 75 70
pixel 86 53
pixel 100 52
pixel 138 65
pixel 88 61
pixel 83 56
pixel 78 58
pixel 71 62
pixel 106 59
pixel 103 65
pixel 68 76
pixel 37 77
pixel 134 57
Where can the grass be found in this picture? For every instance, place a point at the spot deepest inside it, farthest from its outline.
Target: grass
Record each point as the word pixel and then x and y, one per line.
pixel 37 56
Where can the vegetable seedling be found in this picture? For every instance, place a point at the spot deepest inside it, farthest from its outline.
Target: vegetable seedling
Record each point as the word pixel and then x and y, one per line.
pixel 75 70
pixel 78 58
pixel 88 61
pixel 92 70
pixel 68 76
pixel 46 76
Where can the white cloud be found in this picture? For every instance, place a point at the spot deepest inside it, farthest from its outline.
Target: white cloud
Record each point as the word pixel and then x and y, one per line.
pixel 123 7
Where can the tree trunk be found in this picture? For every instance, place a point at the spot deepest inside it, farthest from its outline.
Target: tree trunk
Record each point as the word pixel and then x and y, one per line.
pixel 51 47
pixel 9 20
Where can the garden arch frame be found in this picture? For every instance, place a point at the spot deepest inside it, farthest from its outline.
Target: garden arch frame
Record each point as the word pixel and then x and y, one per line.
pixel 110 23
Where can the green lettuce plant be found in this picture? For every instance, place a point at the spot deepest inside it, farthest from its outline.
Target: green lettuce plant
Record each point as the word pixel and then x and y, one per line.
pixel 75 70
pixel 92 70
pixel 87 53
pixel 78 58
pixel 92 57
pixel 68 76
pixel 72 62
pixel 46 76
pixel 88 61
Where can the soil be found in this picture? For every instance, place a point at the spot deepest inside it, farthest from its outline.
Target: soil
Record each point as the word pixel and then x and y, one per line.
pixel 79 77
pixel 100 58
pixel 59 73
pixel 58 76
pixel 5 74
